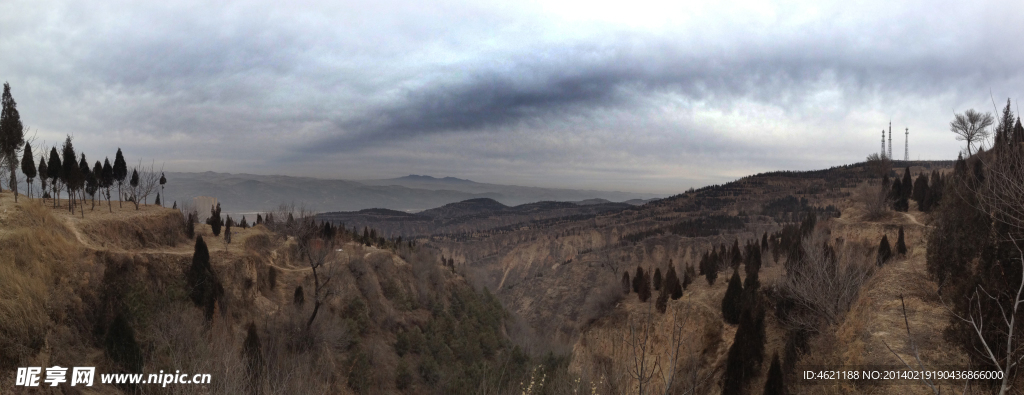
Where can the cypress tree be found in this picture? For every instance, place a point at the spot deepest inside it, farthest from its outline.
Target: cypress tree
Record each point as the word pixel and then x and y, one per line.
pixel 672 285
pixel 107 181
pixel 86 172
pixel 901 246
pixel 764 242
pixel 731 303
pixel 134 182
pixel 300 297
pixel 120 173
pixel 907 185
pixel 737 256
pixel 157 202
pixel 227 232
pixel 920 188
pixel 645 288
pixel 657 279
pixel 204 288
pixel 775 385
pixel 252 354
pixel 688 277
pixel 43 174
pixel 56 171
pixel 884 251
pixel 28 166
pixel 163 180
pixel 215 220
pixel 711 271
pixel 12 135
pixel 72 173
pixel 625 282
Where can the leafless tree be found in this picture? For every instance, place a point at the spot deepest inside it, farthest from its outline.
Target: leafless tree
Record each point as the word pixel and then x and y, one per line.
pixel 683 371
pixel 149 181
pixel 644 361
pixel 879 165
pixel 972 127
pixel 875 199
pixel 320 254
pixel 826 282
pixel 1003 191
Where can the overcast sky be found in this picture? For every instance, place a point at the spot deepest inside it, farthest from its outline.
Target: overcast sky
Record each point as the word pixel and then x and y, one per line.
pixel 619 95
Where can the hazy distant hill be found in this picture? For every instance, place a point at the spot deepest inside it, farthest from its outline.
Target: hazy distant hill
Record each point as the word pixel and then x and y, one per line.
pixel 510 195
pixel 249 192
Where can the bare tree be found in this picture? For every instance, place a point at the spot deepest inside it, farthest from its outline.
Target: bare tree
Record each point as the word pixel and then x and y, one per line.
pixel 644 361
pixel 319 252
pixel 875 199
pixel 972 127
pixel 149 181
pixel 824 284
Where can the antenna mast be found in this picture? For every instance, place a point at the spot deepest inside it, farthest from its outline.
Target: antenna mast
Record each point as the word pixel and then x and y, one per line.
pixel 890 140
pixel 906 147
pixel 883 143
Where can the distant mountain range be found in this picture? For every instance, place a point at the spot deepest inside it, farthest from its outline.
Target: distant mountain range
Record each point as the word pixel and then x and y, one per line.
pixel 413 193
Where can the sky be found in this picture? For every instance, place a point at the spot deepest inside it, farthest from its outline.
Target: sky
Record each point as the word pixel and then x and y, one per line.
pixel 643 96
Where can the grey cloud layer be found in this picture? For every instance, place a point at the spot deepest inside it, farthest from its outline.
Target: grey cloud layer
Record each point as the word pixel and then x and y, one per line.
pixel 363 88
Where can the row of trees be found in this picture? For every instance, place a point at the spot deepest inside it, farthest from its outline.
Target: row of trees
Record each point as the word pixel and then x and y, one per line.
pixel 66 170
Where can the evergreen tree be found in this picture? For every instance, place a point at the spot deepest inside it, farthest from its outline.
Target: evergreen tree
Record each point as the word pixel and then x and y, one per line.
pixel 625 282
pixel 775 385
pixel 12 135
pixel 157 202
pixel 1004 131
pixel 56 171
pixel 672 285
pixel 92 184
pixel 731 303
pixel 107 181
pixel 227 232
pixel 645 287
pixel 259 219
pixel 43 174
pixel 884 251
pixel 711 271
pixel 134 182
pixel 204 288
pixel 72 173
pixel 120 173
pixel 657 279
pixel 163 180
pixel 747 351
pixel 920 188
pixel 216 222
pixel 736 255
pixel 28 166
pixel 300 297
pixel 907 185
pixel 86 173
pixel 764 242
pixel 901 246
pixel 252 354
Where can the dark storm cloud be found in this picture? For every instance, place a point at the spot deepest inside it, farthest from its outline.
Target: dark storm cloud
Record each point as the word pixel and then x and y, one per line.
pixel 595 90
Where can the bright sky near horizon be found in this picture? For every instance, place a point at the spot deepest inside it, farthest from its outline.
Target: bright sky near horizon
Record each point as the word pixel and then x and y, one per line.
pixel 646 96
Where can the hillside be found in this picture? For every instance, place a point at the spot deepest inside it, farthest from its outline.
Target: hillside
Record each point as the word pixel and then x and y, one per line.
pixel 80 290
